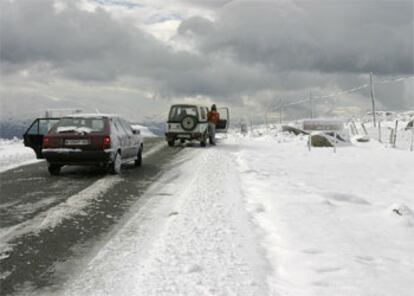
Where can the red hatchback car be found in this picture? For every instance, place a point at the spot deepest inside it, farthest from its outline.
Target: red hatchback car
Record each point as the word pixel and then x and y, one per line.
pixel 90 139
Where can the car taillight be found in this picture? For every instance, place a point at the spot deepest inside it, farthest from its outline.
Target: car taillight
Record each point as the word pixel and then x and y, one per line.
pixel 46 142
pixel 107 142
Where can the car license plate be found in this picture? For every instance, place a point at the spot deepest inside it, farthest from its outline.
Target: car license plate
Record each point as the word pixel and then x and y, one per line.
pixel 77 142
pixel 184 136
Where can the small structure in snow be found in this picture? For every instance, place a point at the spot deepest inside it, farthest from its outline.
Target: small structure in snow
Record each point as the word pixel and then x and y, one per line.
pixel 294 130
pixel 325 132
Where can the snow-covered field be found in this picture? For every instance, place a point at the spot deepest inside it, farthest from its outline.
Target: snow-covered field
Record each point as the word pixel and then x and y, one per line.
pixel 333 224
pixel 14 154
pixel 261 215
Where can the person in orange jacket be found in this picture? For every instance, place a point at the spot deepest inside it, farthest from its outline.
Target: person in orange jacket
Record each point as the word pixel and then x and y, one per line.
pixel 213 118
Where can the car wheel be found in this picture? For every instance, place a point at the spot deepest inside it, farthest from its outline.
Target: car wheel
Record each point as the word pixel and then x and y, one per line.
pixel 115 166
pixel 203 141
pixel 54 169
pixel 189 123
pixel 182 141
pixel 171 143
pixel 138 161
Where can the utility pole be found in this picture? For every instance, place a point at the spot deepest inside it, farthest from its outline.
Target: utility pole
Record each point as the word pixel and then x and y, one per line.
pixel 311 104
pixel 372 99
pixel 281 111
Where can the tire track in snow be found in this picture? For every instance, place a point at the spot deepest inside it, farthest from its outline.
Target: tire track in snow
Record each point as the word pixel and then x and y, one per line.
pixel 40 258
pixel 69 207
pixel 189 238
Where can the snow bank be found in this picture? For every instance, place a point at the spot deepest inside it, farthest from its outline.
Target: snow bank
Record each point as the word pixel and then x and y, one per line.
pixel 13 154
pixel 334 224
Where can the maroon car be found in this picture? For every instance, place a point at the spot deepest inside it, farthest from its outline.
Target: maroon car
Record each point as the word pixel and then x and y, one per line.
pixel 87 139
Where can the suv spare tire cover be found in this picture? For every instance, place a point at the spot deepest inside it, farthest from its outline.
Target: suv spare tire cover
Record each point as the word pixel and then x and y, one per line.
pixel 189 123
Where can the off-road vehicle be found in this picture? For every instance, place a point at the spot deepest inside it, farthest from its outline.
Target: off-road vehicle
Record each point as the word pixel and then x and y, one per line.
pixel 189 122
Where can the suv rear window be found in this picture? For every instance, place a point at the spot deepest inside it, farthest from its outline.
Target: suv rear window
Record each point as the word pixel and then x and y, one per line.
pixel 78 124
pixel 177 113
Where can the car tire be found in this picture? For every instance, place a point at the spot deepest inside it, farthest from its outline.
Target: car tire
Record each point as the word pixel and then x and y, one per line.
pixel 189 123
pixel 171 143
pixel 54 169
pixel 115 165
pixel 138 161
pixel 203 141
pixel 182 141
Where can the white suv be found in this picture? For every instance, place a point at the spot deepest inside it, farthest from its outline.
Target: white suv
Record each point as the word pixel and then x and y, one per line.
pixel 189 122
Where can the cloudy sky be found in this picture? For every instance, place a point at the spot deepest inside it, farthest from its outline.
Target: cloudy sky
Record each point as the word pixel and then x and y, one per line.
pixel 136 57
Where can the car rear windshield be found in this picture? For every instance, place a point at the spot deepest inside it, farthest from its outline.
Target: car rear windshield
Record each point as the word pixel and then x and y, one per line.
pixel 79 124
pixel 177 113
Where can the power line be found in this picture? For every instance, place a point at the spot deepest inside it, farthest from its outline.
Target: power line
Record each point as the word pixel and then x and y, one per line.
pixel 347 91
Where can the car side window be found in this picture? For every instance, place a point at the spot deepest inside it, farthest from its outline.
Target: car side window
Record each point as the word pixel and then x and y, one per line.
pixel 44 126
pixel 34 129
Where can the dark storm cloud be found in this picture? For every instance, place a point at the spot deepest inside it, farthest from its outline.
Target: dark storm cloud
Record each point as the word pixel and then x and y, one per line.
pixel 325 36
pixel 261 50
pixel 84 45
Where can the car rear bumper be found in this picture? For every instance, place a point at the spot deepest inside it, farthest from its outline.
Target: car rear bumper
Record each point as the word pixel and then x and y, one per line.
pixel 171 136
pixel 77 156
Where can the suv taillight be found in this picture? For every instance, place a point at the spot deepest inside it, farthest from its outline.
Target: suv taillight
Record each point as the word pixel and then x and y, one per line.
pixel 106 142
pixel 46 142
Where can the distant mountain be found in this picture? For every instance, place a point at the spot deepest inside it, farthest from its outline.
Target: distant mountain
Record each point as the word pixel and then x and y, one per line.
pixel 10 129
pixel 158 128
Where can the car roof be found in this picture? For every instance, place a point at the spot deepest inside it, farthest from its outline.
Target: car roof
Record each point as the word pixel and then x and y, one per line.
pixel 90 115
pixel 188 105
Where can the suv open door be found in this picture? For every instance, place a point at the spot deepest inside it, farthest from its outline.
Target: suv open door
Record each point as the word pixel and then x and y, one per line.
pixel 33 137
pixel 223 124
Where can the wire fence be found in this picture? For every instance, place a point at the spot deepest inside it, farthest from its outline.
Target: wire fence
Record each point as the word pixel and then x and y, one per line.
pixel 311 100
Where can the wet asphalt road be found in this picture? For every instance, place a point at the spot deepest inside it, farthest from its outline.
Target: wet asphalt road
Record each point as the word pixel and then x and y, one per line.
pixel 45 259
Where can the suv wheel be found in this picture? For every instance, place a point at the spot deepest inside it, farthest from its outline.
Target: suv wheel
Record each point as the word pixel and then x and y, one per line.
pixel 203 142
pixel 115 165
pixel 138 161
pixel 54 169
pixel 189 123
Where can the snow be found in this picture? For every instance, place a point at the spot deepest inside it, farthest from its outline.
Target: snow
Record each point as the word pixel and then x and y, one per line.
pixel 14 154
pixel 78 129
pixel 191 240
pixel 74 205
pixel 330 220
pixel 262 215
pixel 91 115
